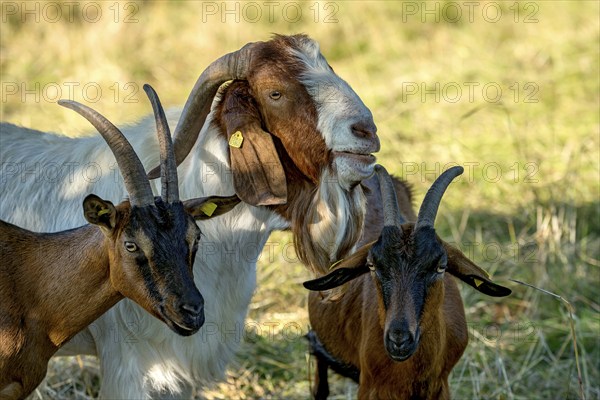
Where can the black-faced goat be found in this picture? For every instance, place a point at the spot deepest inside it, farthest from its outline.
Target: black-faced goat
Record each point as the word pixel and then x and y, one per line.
pixel 400 329
pixel 52 285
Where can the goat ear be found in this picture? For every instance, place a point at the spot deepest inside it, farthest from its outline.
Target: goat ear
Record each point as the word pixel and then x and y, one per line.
pixel 348 269
pixel 258 176
pixel 99 212
pixel 467 271
pixel 209 207
pixel 336 278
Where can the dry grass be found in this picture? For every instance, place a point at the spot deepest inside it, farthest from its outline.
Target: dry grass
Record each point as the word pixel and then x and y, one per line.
pixel 538 221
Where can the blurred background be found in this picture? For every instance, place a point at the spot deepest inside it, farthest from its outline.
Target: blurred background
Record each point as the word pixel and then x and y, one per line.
pixel 508 89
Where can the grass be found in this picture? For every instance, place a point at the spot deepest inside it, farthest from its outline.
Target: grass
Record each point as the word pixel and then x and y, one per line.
pixel 527 207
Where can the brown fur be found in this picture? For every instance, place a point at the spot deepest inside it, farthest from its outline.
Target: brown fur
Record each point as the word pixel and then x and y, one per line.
pixel 352 329
pixel 54 285
pixel 258 175
pixel 301 149
pixel 39 311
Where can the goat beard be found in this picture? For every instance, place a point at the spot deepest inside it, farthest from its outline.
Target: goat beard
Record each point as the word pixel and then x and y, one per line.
pixel 328 224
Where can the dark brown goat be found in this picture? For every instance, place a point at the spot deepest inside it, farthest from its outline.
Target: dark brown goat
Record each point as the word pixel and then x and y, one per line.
pixel 52 285
pixel 399 330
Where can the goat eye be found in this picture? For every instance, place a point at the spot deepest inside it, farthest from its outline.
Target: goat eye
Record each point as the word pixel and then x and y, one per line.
pixel 130 247
pixel 370 263
pixel 275 95
pixel 441 268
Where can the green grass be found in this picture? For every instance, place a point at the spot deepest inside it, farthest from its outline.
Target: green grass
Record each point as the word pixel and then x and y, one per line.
pixel 544 203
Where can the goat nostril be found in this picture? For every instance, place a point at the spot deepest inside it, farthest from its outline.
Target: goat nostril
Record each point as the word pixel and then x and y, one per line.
pixel 364 129
pixel 192 308
pixel 401 340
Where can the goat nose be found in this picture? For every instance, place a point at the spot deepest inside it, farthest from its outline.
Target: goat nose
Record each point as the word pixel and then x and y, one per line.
pixel 365 129
pixel 400 344
pixel 401 339
pixel 193 307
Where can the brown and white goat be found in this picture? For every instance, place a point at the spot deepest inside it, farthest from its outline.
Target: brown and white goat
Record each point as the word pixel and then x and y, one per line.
pixel 52 285
pixel 399 330
pixel 305 140
pixel 302 170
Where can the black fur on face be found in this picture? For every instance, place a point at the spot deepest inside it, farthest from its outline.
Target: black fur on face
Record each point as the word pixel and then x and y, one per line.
pixel 405 263
pixel 166 238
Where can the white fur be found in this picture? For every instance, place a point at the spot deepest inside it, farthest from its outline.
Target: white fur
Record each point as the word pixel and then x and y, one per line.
pixel 139 355
pixel 333 215
pixel 338 108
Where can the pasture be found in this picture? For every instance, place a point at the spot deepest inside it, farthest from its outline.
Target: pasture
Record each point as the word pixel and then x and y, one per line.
pixel 509 90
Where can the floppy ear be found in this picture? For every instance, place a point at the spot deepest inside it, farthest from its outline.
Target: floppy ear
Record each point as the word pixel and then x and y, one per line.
pixel 209 207
pixel 464 269
pixel 336 278
pixel 99 212
pixel 258 175
pixel 348 269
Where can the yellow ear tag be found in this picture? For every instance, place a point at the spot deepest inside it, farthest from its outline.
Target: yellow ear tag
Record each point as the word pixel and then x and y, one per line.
pixel 103 211
pixel 335 263
pixel 478 282
pixel 236 140
pixel 208 208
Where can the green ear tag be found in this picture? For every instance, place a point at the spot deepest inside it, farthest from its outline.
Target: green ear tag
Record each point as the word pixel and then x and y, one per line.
pixel 478 282
pixel 208 208
pixel 236 140
pixel 103 211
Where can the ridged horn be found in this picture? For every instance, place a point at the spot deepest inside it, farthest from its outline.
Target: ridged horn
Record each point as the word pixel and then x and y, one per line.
pixel 168 167
pixel 391 211
pixel 228 67
pixel 132 170
pixel 431 202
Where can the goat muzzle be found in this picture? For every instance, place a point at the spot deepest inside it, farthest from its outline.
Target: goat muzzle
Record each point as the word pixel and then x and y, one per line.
pixel 401 344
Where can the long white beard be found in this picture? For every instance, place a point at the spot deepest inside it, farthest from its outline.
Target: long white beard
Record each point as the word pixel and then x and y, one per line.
pixel 329 224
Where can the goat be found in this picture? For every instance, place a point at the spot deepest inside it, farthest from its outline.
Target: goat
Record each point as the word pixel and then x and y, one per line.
pixel 306 143
pixel 399 330
pixel 52 285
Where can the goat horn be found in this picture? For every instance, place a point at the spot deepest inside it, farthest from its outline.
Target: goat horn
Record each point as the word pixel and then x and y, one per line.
pixel 431 202
pixel 197 107
pixel 168 168
pixel 391 211
pixel 134 176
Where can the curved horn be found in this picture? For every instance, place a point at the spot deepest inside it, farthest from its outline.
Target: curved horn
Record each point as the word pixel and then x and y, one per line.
pixel 134 176
pixel 391 211
pixel 168 168
pixel 431 202
pixel 228 67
